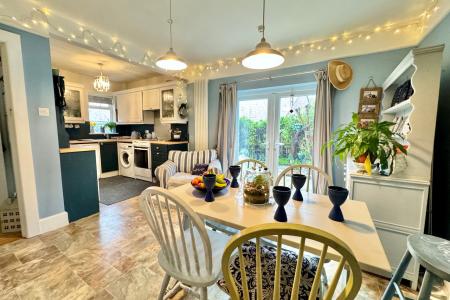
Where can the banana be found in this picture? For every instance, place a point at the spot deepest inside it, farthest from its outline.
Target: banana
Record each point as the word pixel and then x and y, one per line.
pixel 220 184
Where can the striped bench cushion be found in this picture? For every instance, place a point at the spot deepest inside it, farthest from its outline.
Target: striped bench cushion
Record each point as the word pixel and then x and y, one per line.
pixel 186 160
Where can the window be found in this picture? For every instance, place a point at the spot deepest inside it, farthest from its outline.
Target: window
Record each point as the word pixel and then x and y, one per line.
pixel 267 129
pixel 101 111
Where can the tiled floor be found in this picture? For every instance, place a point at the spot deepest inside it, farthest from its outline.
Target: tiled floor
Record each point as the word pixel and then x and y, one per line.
pixel 107 256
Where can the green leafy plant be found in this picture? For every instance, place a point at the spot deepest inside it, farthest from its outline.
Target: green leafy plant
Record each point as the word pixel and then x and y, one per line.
pixel 376 141
pixel 110 125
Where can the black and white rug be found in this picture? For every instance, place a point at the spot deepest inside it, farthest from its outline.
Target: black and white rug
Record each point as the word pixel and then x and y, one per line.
pixel 119 188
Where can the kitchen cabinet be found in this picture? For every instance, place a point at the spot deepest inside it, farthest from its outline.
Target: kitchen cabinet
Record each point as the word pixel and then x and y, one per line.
pixel 151 99
pixel 129 108
pixel 169 107
pixel 109 157
pixel 160 153
pixel 78 169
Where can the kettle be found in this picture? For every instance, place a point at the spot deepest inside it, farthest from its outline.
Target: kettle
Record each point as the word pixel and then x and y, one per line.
pixel 135 135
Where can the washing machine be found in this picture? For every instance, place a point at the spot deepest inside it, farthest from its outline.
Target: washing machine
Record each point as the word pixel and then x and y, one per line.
pixel 126 159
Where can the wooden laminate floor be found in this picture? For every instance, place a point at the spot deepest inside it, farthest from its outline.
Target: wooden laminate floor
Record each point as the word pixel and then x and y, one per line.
pixel 111 255
pixel 6 238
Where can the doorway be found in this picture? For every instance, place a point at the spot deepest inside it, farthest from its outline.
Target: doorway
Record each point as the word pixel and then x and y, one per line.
pixel 275 125
pixel 10 229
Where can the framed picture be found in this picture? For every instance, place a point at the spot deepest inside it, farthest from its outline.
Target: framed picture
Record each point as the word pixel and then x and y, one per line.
pixel 75 101
pixel 373 93
pixel 369 108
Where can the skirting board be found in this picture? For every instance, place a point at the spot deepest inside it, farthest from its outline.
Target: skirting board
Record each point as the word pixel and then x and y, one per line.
pixel 109 174
pixel 53 222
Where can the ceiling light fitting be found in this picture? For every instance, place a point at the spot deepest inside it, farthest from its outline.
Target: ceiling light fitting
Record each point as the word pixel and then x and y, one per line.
pixel 263 57
pixel 171 61
pixel 101 82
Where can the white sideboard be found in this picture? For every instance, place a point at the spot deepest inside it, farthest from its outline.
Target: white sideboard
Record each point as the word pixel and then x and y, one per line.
pixel 398 207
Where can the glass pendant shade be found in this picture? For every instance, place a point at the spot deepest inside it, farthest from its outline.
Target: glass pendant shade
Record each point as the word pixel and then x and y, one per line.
pixel 170 61
pixel 263 57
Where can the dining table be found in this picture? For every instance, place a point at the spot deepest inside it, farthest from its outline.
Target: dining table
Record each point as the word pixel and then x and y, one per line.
pixel 357 231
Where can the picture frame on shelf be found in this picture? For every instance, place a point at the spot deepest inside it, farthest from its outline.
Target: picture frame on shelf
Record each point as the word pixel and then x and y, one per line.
pixel 75 101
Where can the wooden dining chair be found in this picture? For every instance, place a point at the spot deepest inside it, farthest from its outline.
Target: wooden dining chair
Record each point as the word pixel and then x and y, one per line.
pixel 317 181
pixel 248 163
pixel 293 276
pixel 189 252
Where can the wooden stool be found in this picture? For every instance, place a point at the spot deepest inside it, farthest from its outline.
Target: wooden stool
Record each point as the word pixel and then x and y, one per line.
pixel 431 252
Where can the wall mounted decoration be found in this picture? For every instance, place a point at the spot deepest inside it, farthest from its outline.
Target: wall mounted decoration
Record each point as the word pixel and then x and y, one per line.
pixel 369 103
pixel 74 95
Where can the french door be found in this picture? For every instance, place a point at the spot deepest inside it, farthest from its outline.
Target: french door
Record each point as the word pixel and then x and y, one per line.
pixel 276 127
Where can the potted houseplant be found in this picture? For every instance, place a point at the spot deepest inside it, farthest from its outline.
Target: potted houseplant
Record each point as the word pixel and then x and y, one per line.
pixel 374 143
pixel 110 127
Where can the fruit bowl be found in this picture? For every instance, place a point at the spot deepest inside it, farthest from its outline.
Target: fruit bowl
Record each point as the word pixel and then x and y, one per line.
pixel 214 190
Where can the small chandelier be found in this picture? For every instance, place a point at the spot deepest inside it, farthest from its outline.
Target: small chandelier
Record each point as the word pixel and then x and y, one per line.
pixel 263 57
pixel 101 82
pixel 171 61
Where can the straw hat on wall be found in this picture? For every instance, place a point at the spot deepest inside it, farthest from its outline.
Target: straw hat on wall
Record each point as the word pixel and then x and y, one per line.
pixel 340 74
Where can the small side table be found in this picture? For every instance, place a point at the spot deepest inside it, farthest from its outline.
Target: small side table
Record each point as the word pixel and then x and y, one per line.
pixel 433 254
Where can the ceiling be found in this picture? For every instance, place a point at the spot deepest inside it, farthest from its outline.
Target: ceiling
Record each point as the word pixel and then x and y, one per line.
pixel 84 61
pixel 206 30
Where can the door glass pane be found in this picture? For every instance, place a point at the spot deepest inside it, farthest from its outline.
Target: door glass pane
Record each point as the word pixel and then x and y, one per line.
pixel 253 129
pixel 296 130
pixel 168 104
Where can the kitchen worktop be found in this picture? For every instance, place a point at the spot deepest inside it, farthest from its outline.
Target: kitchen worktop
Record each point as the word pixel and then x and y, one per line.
pixel 76 149
pixel 124 140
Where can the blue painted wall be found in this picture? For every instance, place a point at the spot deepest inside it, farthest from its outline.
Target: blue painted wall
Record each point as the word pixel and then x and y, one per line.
pixel 44 139
pixel 441 166
pixel 378 65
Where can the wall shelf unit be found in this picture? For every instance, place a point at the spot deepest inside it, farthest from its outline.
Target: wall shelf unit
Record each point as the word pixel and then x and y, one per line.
pixel 405 192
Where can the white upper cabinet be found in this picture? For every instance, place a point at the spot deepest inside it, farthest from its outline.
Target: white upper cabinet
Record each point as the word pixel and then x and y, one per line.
pixel 129 108
pixel 170 106
pixel 151 99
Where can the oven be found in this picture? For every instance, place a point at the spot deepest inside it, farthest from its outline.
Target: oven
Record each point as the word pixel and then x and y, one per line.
pixel 142 160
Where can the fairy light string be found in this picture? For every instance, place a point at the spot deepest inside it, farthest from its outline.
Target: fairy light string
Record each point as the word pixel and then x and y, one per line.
pixel 40 17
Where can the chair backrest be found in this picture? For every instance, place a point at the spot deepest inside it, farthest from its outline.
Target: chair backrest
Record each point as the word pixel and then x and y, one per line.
pixel 277 231
pixel 186 160
pixel 180 232
pixel 317 181
pixel 246 164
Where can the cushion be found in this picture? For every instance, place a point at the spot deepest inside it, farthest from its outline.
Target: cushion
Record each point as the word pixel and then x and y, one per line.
pixel 178 179
pixel 268 256
pixel 199 169
pixel 186 160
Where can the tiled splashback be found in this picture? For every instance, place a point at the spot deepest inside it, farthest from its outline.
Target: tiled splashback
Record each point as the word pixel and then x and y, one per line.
pixel 83 132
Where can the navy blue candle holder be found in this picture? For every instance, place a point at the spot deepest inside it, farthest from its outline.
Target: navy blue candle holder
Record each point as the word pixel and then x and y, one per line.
pixel 209 180
pixel 234 171
pixel 298 181
pixel 337 196
pixel 281 194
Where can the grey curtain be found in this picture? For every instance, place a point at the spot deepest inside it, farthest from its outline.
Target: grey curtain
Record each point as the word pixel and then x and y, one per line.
pixel 322 125
pixel 227 124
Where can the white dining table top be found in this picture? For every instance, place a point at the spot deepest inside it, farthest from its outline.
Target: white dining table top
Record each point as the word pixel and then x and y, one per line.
pixel 357 231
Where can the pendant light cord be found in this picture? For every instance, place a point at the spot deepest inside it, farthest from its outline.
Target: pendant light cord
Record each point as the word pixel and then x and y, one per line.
pixel 170 21
pixel 264 19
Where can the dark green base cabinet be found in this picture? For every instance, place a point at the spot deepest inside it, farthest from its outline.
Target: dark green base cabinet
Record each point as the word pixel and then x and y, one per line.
pixel 160 153
pixel 80 185
pixel 108 155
